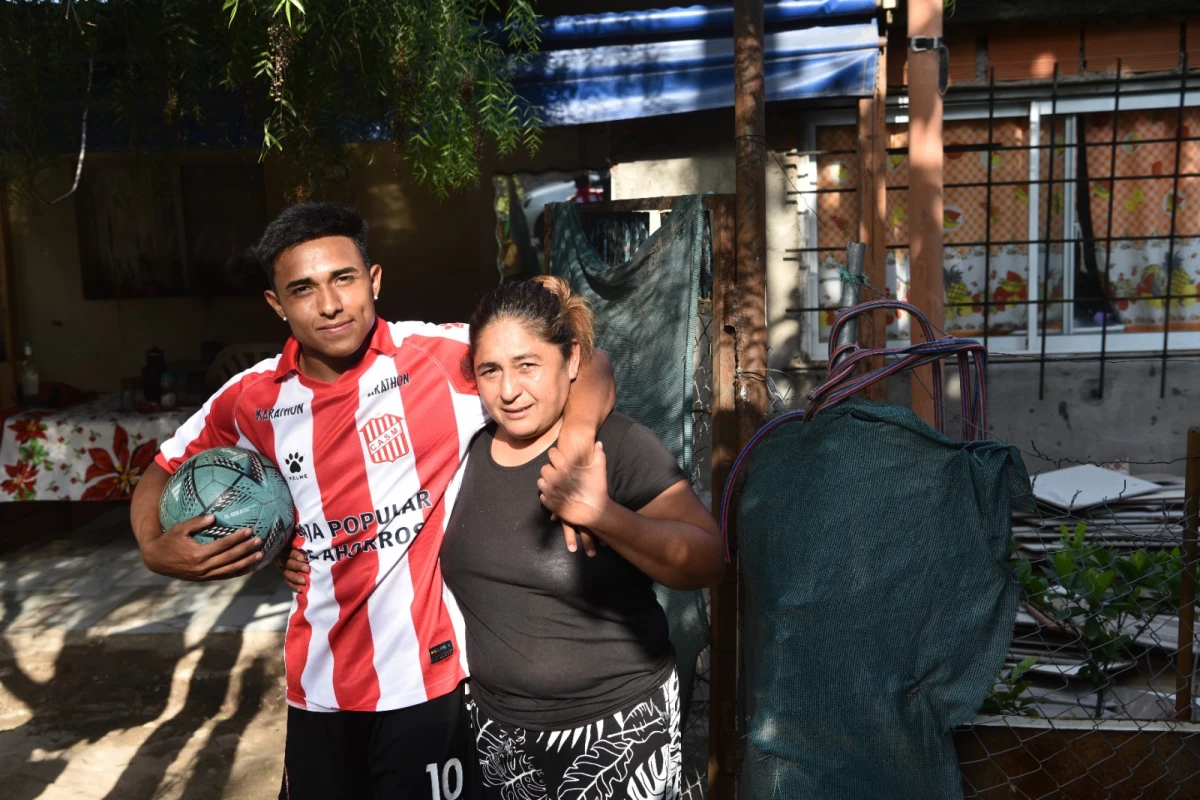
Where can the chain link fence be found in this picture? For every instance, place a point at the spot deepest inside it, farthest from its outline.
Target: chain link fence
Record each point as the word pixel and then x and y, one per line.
pixel 1086 704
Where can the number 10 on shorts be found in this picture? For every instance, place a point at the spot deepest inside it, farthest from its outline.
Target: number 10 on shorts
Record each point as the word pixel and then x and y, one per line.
pixel 448 785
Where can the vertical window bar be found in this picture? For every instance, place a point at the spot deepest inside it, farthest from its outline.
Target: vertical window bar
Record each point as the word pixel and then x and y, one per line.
pixel 1045 299
pixel 1162 388
pixel 1108 237
pixel 1070 234
pixel 987 230
pixel 1032 334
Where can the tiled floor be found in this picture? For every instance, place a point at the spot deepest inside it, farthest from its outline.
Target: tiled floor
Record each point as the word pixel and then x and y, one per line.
pixel 116 683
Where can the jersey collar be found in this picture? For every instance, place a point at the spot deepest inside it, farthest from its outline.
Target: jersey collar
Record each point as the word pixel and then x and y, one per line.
pixel 289 361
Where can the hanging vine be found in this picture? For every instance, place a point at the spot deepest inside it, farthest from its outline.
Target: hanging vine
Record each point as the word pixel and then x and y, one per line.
pixel 300 78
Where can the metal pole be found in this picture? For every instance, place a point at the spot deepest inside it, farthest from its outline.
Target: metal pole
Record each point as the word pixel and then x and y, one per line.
pixel 1186 663
pixel 925 185
pixel 872 213
pixel 856 253
pixel 1043 296
pixel 1114 138
pixel 987 230
pixel 1162 388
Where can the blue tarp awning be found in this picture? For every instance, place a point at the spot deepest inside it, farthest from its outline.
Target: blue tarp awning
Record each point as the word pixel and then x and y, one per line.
pixel 672 61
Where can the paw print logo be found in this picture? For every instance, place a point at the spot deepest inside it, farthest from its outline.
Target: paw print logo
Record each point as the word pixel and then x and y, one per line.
pixel 294 461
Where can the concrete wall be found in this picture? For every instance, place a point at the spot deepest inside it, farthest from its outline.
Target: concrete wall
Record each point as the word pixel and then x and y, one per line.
pixel 1072 423
pixel 1129 423
pixel 93 344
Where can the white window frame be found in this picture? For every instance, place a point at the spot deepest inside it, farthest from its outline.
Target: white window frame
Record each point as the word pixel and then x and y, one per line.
pixel 1029 341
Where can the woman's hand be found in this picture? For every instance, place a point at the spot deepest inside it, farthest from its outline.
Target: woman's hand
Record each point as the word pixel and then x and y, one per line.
pixel 574 493
pixel 577 442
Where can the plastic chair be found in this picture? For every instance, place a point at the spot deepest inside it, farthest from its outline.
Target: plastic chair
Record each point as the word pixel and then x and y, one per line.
pixel 237 358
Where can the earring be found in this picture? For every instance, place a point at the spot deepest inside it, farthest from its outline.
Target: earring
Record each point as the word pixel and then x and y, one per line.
pixel 285 319
pixel 376 297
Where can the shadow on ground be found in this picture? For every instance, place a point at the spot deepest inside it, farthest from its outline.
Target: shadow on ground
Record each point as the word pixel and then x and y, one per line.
pixel 140 715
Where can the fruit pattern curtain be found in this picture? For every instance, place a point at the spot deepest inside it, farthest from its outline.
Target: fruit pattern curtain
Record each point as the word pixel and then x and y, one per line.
pixel 1142 200
pixel 1141 208
pixel 966 226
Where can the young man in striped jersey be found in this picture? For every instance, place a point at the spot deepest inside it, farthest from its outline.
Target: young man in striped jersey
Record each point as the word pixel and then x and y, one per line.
pixel 369 422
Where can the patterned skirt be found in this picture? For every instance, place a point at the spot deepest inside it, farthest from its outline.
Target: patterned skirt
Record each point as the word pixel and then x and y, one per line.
pixel 633 754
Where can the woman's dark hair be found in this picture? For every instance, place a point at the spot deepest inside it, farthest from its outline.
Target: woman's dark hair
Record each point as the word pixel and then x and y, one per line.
pixel 304 222
pixel 545 306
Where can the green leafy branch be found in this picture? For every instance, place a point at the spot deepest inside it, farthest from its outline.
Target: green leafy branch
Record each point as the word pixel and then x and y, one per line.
pixel 1104 598
pixel 433 76
pixel 1012 700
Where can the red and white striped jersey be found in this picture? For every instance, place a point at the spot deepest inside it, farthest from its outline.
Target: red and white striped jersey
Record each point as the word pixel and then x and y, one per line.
pixel 372 461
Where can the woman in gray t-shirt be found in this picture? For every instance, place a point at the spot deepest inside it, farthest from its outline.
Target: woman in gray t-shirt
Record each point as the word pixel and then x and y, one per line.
pixel 573 688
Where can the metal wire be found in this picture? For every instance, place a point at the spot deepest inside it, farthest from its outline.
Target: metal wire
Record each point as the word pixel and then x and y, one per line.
pixel 1086 700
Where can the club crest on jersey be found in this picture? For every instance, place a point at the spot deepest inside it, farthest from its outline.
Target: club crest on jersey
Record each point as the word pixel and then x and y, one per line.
pixel 385 438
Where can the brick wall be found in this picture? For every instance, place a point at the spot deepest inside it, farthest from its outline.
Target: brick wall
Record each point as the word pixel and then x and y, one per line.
pixel 1029 52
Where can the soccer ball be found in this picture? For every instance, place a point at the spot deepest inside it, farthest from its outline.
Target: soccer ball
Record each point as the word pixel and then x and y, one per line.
pixel 238 487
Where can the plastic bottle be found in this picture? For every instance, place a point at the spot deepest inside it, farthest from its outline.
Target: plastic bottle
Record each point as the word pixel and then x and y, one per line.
pixel 31 387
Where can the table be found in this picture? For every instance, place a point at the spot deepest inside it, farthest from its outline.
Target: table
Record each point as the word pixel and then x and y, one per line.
pixel 91 451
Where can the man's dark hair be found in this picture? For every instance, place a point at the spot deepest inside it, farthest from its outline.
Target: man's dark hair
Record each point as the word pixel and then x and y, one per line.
pixel 304 222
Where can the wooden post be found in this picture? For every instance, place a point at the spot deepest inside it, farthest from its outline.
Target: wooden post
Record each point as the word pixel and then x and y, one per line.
pixel 925 187
pixel 1186 661
pixel 872 211
pixel 751 226
pixel 723 740
pixel 742 334
pixel 10 357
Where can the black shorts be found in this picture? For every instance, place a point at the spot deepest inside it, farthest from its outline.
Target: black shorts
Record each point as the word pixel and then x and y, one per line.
pixel 416 753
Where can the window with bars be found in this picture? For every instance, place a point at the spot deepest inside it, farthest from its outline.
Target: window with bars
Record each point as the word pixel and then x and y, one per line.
pixel 1071 224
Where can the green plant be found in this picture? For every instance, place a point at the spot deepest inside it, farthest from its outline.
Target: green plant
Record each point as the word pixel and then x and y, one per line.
pixel 1106 599
pixel 433 76
pixel 1012 700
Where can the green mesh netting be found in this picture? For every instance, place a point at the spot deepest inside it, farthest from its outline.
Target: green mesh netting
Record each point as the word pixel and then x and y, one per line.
pixel 645 314
pixel 646 323
pixel 878 602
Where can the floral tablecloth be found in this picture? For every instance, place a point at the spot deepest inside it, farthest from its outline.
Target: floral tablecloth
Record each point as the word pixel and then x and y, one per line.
pixel 92 451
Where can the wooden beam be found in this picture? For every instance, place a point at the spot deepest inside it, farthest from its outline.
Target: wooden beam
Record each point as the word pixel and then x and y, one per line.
pixel 925 162
pixel 872 211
